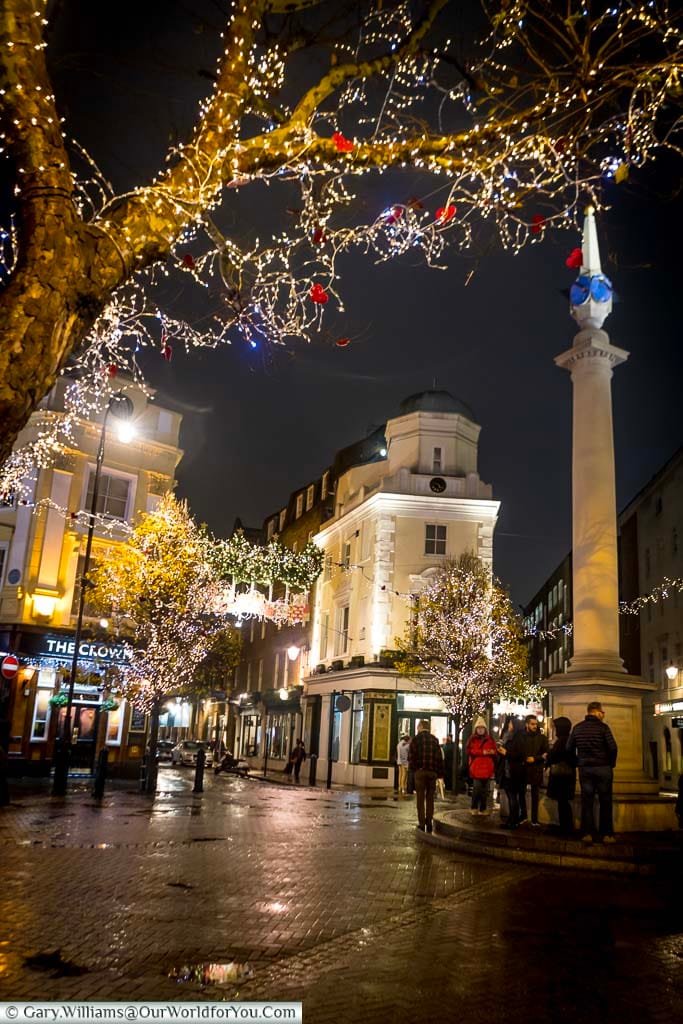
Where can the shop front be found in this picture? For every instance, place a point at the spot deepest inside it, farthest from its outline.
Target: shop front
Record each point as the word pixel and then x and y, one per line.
pixel 664 726
pixel 283 726
pixel 361 715
pixel 34 704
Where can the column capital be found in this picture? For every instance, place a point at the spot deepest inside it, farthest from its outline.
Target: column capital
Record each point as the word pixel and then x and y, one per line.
pixel 592 349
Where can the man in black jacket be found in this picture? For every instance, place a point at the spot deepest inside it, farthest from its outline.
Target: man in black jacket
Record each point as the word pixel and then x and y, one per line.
pixel 527 751
pixel 596 753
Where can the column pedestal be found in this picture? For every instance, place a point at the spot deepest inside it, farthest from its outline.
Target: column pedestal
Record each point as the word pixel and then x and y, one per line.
pixel 637 803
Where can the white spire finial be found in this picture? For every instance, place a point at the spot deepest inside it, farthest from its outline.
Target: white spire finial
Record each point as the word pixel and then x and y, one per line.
pixel 589 248
pixel 590 297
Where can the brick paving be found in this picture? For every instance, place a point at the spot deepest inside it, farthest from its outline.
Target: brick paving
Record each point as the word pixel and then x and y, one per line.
pixel 325 897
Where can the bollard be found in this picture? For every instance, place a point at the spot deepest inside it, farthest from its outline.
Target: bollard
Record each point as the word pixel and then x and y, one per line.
pixel 312 769
pixel 396 778
pixel 100 774
pixel 199 772
pixel 143 774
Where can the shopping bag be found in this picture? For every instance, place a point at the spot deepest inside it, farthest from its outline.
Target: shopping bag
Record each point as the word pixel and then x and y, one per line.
pixel 441 789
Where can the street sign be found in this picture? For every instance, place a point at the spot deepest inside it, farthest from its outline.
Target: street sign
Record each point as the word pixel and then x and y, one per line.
pixel 9 667
pixel 342 703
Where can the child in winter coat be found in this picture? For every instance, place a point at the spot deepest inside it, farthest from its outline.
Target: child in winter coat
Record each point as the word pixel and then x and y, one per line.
pixel 481 759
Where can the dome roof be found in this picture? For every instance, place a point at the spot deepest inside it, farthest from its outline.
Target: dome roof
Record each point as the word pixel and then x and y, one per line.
pixel 435 401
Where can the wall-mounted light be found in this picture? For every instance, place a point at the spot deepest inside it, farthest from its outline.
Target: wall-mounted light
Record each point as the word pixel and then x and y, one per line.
pixel 104 623
pixel 44 606
pixel 283 693
pixel 293 652
pixel 671 672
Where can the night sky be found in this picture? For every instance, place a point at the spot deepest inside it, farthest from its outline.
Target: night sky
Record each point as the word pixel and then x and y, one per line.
pixel 261 423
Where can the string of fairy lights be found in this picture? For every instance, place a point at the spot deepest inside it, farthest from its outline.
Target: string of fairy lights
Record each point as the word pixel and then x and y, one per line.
pixel 552 105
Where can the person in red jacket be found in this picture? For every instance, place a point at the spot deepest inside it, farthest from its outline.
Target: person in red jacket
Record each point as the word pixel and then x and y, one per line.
pixel 481 759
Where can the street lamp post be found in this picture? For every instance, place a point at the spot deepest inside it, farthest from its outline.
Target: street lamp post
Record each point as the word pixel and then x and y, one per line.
pixel 122 407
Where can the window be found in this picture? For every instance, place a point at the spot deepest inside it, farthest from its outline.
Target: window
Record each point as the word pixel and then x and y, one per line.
pixel 299 505
pixel 435 539
pixel 259 683
pixel 42 707
pixel 324 634
pixel 651 666
pixel 346 554
pixel 365 541
pixel 251 632
pixel 310 493
pixel 325 485
pixel 276 670
pixel 341 640
pixel 271 528
pixel 283 517
pixel 112 497
pixel 356 727
pixel 114 723
pixel 437 463
pixel 248 676
pixel 263 629
pixel 3 560
pixel 327 574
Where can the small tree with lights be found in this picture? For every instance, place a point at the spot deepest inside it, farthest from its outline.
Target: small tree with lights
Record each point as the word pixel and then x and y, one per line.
pixel 466 642
pixel 161 589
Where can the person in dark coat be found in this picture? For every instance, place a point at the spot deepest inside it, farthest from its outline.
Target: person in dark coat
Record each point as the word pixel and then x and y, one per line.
pixel 562 780
pixel 528 751
pixel 296 759
pixel 502 775
pixel 596 755
pixel 448 750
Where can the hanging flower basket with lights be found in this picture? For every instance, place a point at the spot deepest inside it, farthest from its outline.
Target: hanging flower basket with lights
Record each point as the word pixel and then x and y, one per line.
pixel 109 704
pixel 59 700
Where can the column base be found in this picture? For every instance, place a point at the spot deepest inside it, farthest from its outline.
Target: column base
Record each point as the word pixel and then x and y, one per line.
pixel 621 696
pixel 597 663
pixel 635 813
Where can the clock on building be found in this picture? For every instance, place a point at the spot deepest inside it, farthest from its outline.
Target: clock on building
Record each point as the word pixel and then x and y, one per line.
pixel 437 484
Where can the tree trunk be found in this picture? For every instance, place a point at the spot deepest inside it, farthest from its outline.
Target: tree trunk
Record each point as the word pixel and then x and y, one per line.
pixel 455 781
pixel 152 761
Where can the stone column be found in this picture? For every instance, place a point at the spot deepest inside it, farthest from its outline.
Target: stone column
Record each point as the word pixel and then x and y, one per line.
pixel 596 671
pixel 594 519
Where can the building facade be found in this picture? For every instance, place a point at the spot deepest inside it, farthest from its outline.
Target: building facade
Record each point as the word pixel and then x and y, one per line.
pixel 651 641
pixel 388 513
pixel 42 544
pixel 650 532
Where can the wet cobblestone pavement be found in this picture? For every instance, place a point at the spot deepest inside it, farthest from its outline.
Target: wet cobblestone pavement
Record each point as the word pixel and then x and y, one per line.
pixel 326 897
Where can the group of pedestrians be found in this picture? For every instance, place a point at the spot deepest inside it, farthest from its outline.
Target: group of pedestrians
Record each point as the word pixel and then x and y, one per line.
pixel 525 754
pixel 517 761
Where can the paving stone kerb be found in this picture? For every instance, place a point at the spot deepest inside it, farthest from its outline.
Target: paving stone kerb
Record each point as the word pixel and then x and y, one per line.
pixel 329 897
pixel 647 853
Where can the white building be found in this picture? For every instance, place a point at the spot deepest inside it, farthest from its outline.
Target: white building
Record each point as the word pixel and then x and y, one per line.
pixel 401 509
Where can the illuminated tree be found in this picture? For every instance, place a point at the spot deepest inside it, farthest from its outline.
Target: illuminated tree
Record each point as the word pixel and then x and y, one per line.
pixel 465 641
pixel 161 590
pixel 552 98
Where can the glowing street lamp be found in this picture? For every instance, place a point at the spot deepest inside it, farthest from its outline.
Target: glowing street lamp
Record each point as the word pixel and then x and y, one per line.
pixel 671 672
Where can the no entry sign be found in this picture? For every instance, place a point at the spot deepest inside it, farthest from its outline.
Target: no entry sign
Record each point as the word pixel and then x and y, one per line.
pixel 9 666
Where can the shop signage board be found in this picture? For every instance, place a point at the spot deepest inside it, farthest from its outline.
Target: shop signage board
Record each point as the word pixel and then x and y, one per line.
pixel 677 723
pixel 52 645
